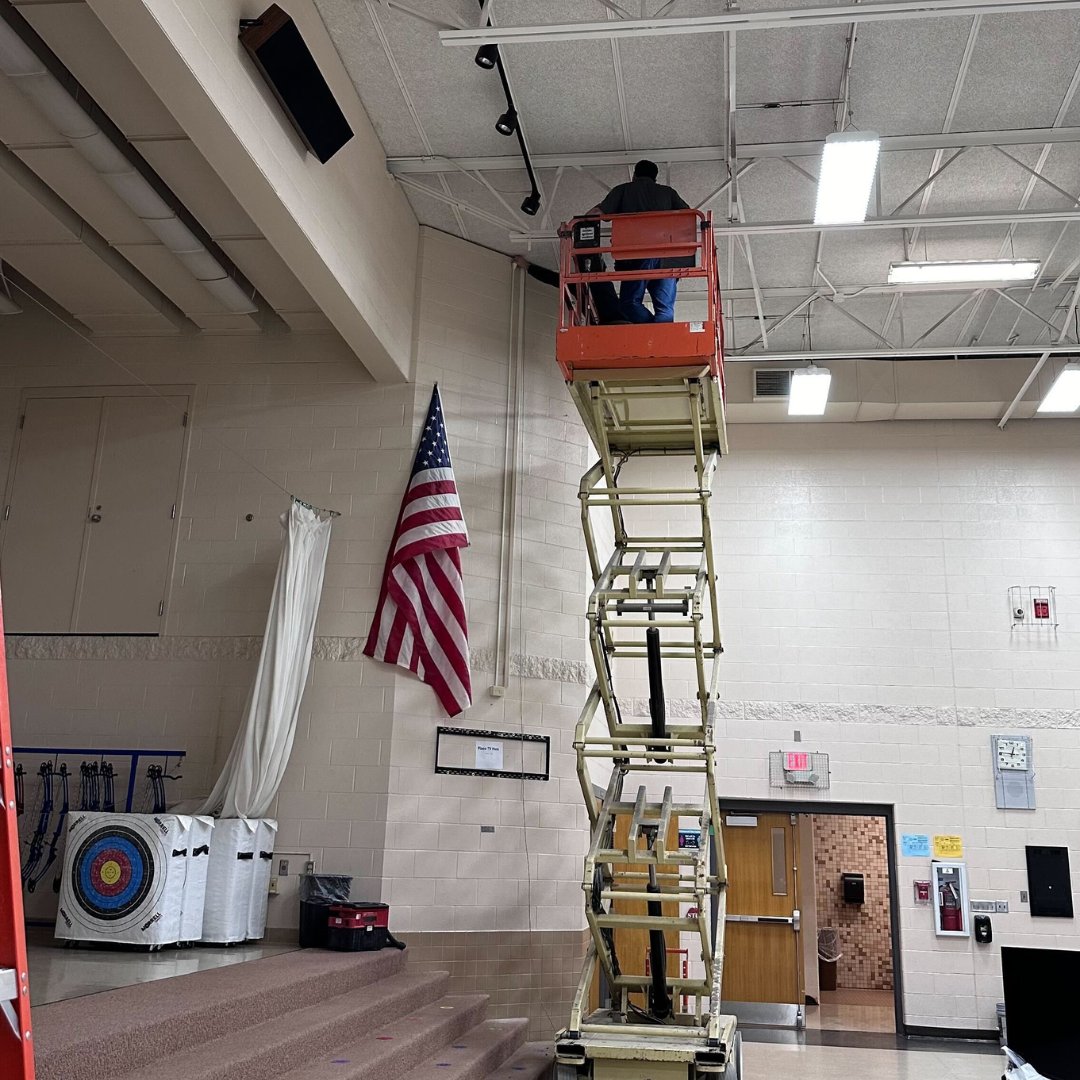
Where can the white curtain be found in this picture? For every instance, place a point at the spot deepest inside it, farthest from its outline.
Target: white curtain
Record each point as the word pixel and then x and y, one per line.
pixel 260 752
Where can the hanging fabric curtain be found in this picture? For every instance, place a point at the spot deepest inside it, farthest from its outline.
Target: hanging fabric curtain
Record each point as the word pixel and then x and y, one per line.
pixel 260 752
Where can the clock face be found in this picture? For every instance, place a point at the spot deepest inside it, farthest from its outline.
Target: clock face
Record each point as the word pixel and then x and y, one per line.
pixel 1012 754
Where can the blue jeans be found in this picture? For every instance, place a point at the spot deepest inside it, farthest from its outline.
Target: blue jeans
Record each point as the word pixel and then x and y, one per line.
pixel 631 293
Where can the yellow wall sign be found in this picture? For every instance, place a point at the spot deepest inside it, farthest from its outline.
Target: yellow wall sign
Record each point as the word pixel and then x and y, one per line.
pixel 948 847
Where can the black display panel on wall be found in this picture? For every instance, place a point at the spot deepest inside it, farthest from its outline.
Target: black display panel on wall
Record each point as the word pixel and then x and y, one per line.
pixel 1049 883
pixel 1040 1013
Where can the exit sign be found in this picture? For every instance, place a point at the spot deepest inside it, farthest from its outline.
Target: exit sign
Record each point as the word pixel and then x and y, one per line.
pixel 799 762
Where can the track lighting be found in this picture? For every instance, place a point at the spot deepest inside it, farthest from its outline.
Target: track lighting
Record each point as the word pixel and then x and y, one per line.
pixel 507 123
pixel 487 56
pixel 531 204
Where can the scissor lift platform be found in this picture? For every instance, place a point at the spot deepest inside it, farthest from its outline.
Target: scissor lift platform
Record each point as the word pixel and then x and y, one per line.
pixel 642 390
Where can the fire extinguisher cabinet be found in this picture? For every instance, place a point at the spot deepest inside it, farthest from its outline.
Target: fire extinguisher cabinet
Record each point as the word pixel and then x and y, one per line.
pixel 952 911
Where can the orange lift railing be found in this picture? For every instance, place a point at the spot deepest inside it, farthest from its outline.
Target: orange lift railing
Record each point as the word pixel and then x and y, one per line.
pixel 682 238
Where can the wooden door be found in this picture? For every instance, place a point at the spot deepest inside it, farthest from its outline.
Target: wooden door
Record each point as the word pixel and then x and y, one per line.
pixel 762 946
pixel 632 946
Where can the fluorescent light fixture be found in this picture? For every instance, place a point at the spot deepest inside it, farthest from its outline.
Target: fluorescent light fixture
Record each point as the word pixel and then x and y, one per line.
pixel 956 270
pixel 848 165
pixel 52 99
pixel 1064 395
pixel 809 391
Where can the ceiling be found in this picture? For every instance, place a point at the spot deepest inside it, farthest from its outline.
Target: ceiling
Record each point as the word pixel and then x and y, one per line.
pixel 945 78
pixel 73 243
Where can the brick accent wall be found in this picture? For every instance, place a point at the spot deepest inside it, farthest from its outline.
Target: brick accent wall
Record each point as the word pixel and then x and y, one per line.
pixel 855 845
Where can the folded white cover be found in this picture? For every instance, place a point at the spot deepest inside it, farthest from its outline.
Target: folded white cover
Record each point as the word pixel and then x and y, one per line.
pixel 260 887
pixel 200 830
pixel 229 878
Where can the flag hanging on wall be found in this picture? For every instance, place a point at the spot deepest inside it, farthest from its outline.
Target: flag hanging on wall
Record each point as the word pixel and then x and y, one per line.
pixel 420 620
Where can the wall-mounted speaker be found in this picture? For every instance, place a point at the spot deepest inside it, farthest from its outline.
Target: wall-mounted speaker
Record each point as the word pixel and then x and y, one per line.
pixel 274 43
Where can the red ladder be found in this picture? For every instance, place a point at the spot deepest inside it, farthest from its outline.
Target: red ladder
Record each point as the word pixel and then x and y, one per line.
pixel 16 1047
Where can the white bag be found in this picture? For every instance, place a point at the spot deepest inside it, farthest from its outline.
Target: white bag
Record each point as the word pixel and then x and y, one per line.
pixel 260 886
pixel 229 878
pixel 199 833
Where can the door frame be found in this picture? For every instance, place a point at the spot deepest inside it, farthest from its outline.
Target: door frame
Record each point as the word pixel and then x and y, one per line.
pixel 852 809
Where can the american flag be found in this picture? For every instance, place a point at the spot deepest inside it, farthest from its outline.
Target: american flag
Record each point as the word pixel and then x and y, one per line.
pixel 420 621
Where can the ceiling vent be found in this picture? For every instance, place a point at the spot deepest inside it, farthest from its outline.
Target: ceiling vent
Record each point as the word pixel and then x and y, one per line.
pixel 771 383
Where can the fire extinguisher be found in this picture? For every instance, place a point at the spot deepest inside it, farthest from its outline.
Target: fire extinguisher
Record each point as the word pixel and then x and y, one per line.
pixel 949 907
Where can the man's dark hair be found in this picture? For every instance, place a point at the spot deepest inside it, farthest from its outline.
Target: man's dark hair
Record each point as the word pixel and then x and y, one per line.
pixel 647 169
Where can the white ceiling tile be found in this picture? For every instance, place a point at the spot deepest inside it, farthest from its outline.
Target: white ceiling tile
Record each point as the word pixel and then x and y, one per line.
pixel 73 179
pixel 268 272
pixel 23 220
pixel 90 53
pixel 76 279
pixel 198 187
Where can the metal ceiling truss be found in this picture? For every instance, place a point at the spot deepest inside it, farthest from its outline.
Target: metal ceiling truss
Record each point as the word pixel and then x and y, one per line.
pixel 750 151
pixel 738 20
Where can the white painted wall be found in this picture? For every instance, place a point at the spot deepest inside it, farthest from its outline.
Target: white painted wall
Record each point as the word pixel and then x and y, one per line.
pixel 345 228
pixel 863 573
pixel 863 577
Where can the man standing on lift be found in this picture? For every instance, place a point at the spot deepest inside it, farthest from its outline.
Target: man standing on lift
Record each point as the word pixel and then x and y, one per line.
pixel 639 196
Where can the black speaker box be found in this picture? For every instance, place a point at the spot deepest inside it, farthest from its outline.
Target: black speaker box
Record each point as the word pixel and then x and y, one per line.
pixel 274 43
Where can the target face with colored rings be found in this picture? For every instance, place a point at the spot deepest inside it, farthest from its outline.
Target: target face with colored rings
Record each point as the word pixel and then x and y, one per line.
pixel 113 872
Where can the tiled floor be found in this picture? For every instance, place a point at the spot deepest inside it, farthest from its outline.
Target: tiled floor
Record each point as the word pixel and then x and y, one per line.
pixel 805 1062
pixel 853 1010
pixel 57 973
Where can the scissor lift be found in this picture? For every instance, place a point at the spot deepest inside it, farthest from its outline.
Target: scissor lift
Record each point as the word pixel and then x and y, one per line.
pixel 648 389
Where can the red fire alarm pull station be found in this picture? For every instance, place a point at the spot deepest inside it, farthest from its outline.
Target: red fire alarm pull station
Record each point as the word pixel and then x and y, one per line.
pixel 922 892
pixel 1042 607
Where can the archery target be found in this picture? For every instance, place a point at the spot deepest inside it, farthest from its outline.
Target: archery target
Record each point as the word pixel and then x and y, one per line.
pixel 113 873
pixel 123 879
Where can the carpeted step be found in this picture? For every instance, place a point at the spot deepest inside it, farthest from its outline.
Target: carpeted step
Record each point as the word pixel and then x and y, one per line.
pixel 391 1051
pixel 473 1054
pixel 291 1040
pixel 534 1061
pixel 139 1024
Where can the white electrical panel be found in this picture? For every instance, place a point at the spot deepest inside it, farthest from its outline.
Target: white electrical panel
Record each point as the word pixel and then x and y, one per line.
pixel 1014 772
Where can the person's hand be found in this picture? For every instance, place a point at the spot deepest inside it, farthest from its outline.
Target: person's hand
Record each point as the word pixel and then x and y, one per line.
pixel 520 261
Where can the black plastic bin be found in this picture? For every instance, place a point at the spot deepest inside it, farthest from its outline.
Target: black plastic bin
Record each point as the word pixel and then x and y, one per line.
pixel 318 892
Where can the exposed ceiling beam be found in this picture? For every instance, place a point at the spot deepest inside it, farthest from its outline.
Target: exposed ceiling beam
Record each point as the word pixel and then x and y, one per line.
pixel 768 19
pixel 990 217
pixel 962 352
pixel 677 154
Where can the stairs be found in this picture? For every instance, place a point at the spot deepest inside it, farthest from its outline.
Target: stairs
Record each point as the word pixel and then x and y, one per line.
pixel 307 1015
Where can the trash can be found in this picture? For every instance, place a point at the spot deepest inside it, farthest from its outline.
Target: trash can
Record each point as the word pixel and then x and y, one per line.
pixel 828 945
pixel 317 893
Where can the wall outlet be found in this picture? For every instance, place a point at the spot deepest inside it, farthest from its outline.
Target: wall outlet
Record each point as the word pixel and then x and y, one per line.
pixel 309 866
pixel 283 867
pixel 487 828
pixel 273 886
pixel 1023 896
pixel 1002 907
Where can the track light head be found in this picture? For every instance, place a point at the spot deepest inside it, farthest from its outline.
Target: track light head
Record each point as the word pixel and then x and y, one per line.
pixel 531 204
pixel 487 56
pixel 507 123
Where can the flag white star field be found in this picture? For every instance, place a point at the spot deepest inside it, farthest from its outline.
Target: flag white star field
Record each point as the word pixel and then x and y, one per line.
pixel 420 620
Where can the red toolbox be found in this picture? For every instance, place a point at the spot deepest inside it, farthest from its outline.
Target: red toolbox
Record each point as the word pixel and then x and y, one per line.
pixel 359 927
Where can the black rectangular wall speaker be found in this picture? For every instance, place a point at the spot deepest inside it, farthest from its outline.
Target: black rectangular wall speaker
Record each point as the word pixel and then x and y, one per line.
pixel 274 43
pixel 1049 883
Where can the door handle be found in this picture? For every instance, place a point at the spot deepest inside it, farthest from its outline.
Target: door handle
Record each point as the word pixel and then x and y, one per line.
pixel 796 919
pixel 777 919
